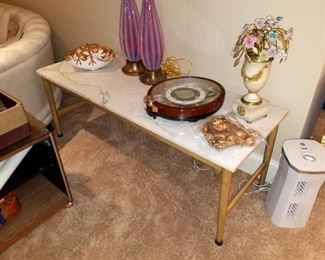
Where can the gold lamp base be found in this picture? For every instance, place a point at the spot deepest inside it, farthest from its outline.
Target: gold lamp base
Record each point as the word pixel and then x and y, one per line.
pixel 151 77
pixel 133 68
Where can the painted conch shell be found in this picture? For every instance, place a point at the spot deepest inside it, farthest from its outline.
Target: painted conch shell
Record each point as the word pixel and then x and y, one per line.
pixel 90 56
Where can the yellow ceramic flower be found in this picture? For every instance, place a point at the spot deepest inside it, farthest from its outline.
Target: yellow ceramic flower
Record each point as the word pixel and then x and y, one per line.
pixel 263 56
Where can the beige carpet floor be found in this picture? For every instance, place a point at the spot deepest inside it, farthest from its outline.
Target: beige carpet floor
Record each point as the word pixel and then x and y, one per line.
pixel 136 198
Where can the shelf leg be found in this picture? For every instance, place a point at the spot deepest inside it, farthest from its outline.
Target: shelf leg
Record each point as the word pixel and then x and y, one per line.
pixel 64 177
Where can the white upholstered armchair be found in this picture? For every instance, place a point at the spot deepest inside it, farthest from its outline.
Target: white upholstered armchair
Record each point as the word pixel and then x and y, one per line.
pixel 22 52
pixel 22 55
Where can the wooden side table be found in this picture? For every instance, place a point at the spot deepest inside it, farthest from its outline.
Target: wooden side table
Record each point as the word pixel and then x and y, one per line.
pixel 39 181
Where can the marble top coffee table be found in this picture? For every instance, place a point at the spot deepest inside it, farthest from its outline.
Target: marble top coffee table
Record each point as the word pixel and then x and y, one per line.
pixel 122 95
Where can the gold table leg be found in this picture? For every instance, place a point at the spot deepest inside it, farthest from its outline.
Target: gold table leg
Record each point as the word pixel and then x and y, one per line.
pixel 225 185
pixel 49 92
pixel 267 154
pixel 225 205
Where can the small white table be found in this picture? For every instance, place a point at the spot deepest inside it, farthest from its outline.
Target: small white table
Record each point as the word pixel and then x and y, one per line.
pixel 121 95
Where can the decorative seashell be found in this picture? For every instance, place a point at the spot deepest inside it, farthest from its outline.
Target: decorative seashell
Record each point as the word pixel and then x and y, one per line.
pixel 90 56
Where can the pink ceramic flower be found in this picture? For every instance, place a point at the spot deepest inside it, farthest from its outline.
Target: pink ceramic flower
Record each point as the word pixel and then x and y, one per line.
pixel 289 34
pixel 249 41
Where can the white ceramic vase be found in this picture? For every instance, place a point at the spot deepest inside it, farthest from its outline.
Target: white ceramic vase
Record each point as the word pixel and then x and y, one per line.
pixel 255 76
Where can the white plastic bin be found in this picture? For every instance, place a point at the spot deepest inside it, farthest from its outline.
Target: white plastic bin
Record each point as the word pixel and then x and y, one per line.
pixel 300 175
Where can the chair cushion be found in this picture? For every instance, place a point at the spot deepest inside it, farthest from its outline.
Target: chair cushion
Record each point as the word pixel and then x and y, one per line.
pixel 34 32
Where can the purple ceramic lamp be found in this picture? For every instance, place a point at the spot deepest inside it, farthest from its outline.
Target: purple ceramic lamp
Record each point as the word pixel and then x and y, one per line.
pixel 129 37
pixel 151 44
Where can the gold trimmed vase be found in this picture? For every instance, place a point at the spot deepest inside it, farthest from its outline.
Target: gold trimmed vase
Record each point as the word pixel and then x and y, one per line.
pixel 255 76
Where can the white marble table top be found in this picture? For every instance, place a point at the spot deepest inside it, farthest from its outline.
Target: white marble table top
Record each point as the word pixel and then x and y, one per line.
pixel 123 95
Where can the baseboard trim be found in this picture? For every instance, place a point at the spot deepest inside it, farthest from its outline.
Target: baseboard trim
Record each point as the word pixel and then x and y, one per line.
pixel 255 159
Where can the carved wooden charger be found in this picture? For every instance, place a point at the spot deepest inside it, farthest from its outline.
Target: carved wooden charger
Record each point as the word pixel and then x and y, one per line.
pixel 184 98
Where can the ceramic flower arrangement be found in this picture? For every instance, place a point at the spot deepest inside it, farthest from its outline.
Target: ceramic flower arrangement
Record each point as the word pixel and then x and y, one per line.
pixel 262 41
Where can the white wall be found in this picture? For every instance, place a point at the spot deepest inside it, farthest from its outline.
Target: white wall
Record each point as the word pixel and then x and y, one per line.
pixel 204 31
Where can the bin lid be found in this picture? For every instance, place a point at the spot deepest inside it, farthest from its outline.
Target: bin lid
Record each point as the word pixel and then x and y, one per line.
pixel 305 155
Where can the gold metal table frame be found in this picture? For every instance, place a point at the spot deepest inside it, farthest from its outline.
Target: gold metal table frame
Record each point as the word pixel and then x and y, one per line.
pixel 225 203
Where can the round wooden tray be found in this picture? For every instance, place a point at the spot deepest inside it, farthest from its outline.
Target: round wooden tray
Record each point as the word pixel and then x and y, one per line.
pixel 184 98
